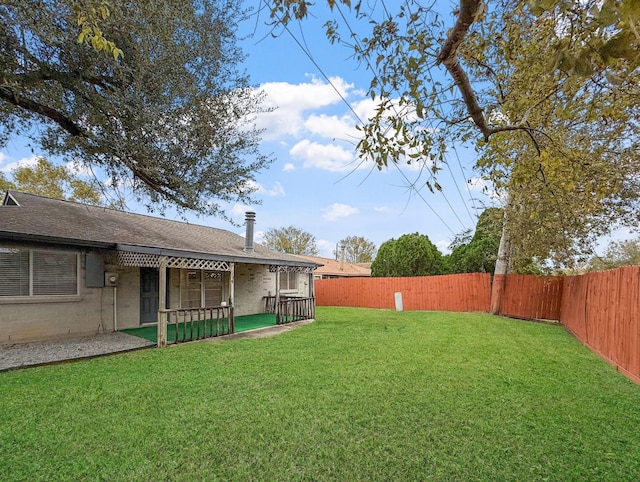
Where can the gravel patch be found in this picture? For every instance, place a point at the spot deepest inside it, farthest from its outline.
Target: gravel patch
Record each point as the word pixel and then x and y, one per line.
pixel 21 355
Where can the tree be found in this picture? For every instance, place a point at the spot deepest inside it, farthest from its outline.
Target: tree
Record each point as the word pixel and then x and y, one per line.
pixel 57 182
pixel 617 254
pixel 607 36
pixel 290 240
pixel 409 255
pixel 547 90
pixel 357 249
pixel 5 184
pixel 478 253
pixel 169 117
pixel 575 172
pixel 551 89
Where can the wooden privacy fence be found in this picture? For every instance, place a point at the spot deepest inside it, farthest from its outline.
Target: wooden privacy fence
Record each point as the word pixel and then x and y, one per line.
pixel 532 297
pixel 460 292
pixel 602 310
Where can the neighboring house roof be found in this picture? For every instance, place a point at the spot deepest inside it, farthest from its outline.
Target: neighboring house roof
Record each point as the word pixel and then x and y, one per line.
pixel 336 268
pixel 28 217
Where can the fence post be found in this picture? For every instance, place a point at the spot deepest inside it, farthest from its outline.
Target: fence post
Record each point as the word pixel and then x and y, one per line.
pixel 162 328
pixel 398 299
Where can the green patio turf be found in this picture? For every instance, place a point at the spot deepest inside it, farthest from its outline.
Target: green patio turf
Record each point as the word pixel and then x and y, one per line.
pixel 252 322
pixel 242 323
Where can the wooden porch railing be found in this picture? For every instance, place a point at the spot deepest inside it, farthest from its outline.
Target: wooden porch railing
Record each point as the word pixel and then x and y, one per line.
pixel 292 309
pixel 194 324
pixel 270 302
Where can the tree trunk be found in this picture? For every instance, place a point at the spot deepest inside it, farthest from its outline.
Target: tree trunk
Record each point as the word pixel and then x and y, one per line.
pixel 500 273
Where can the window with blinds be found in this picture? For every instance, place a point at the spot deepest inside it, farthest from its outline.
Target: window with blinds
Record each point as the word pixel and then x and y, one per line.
pixel 288 281
pixel 31 272
pixel 200 288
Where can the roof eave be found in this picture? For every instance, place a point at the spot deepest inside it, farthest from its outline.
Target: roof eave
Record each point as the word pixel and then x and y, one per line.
pixel 211 256
pixel 38 238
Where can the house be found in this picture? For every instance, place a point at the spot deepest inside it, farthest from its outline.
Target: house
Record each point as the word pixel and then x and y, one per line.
pixel 73 269
pixel 332 268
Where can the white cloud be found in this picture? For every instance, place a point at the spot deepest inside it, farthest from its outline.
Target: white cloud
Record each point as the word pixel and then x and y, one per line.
pixel 333 127
pixel 382 209
pixel 365 108
pixel 238 210
pixel 24 162
pixel 290 101
pixel 79 169
pixel 477 184
pixel 326 248
pixel 480 185
pixel 337 210
pixel 276 190
pixel 258 236
pixel 289 167
pixel 328 157
pixel 443 246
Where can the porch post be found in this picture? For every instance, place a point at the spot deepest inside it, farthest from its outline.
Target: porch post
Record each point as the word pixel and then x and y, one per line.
pixel 162 302
pixel 232 296
pixel 312 295
pixel 277 310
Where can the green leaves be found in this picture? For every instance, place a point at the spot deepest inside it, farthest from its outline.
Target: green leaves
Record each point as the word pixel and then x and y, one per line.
pixel 89 17
pixel 478 253
pixel 162 109
pixel 550 85
pixel 594 37
pixel 290 240
pixel 357 249
pixel 59 182
pixel 410 255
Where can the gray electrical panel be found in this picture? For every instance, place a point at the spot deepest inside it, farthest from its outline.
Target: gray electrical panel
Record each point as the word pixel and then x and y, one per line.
pixel 94 272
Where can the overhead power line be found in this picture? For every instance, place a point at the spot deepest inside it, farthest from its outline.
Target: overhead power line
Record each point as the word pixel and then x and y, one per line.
pixel 410 184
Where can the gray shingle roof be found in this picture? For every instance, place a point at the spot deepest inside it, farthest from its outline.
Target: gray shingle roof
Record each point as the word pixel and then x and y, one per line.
pixel 38 218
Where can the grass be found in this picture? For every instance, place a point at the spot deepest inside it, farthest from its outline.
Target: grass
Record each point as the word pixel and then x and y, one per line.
pixel 357 395
pixel 242 323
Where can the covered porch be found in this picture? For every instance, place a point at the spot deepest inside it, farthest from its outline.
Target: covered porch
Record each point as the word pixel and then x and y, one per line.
pixel 186 306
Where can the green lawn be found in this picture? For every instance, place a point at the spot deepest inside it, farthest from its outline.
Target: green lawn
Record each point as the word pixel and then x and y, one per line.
pixel 357 395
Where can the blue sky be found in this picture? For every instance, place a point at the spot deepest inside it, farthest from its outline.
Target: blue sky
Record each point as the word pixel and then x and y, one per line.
pixel 316 182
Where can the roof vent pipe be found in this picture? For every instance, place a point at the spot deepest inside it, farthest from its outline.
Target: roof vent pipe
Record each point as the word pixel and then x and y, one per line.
pixel 250 218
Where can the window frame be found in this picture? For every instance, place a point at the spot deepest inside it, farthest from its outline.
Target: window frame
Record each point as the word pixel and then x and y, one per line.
pixel 289 280
pixel 33 285
pixel 202 286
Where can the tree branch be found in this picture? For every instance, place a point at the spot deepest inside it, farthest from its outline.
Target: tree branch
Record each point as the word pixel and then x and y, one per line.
pixel 468 13
pixel 59 118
